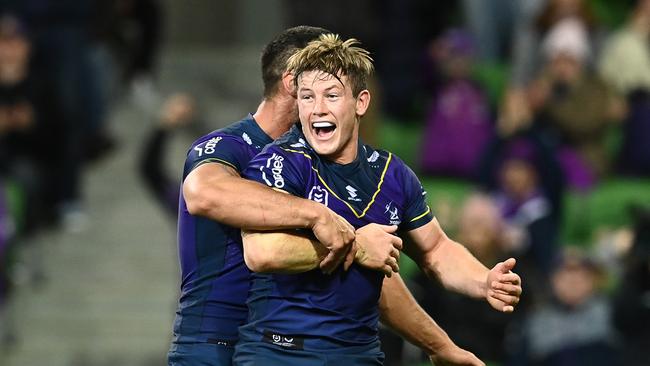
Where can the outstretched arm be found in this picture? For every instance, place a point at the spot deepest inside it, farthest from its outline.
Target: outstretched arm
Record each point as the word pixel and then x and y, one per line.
pixel 400 312
pixel 458 270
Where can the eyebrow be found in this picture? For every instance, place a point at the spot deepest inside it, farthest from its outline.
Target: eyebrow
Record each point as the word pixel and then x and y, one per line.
pixel 332 87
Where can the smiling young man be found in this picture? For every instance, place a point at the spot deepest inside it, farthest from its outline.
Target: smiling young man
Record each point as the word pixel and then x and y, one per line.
pixel 312 318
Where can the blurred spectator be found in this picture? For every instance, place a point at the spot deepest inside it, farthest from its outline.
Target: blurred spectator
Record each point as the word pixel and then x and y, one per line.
pixel 492 23
pixel 18 129
pixel 458 122
pixel 625 60
pixel 177 111
pixel 537 19
pixel 625 63
pixel 632 299
pixel 574 103
pixel 574 327
pixel 525 178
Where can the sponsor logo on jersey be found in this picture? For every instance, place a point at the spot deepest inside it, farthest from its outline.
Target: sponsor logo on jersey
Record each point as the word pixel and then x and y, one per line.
pixel 352 194
pixel 318 194
pixel 274 164
pixel 247 138
pixel 391 209
pixel 373 157
pixel 208 146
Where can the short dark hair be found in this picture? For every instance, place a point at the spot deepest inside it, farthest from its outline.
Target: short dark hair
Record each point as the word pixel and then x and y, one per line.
pixel 277 52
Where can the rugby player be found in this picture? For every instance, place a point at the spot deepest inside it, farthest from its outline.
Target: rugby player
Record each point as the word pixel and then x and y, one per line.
pixel 313 318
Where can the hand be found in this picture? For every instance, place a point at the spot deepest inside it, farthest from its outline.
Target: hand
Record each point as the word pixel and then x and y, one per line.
pixel 503 286
pixel 455 356
pixel 337 235
pixel 177 111
pixel 378 249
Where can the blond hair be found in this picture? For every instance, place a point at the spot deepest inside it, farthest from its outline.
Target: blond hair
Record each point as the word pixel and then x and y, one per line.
pixel 330 54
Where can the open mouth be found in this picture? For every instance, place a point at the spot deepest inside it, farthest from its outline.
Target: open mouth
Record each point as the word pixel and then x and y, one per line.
pixel 323 130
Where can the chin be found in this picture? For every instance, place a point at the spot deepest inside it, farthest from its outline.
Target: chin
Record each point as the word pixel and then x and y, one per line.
pixel 323 150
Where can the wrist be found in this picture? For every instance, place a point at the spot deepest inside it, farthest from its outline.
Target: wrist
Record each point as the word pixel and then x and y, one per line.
pixel 483 286
pixel 313 213
pixel 440 346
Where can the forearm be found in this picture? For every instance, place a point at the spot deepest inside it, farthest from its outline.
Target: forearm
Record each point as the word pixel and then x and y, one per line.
pixel 399 311
pixel 456 269
pixel 281 252
pixel 237 202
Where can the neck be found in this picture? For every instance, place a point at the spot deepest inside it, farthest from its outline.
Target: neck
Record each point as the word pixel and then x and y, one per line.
pixel 350 152
pixel 276 115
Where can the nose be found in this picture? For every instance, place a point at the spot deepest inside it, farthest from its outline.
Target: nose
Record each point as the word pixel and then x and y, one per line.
pixel 320 108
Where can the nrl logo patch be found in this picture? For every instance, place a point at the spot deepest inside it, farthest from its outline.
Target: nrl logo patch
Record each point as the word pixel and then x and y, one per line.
pixel 319 194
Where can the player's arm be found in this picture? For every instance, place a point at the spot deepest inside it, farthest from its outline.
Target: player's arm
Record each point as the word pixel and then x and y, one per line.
pixel 400 312
pixel 458 270
pixel 295 252
pixel 217 191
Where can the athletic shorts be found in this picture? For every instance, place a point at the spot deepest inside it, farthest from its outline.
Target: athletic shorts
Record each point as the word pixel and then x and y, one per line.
pixel 200 354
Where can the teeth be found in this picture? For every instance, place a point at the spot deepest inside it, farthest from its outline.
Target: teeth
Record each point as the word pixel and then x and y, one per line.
pixel 322 124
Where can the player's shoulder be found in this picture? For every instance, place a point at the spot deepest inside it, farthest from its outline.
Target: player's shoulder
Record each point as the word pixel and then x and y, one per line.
pixel 391 164
pixel 380 158
pixel 235 133
pixel 292 143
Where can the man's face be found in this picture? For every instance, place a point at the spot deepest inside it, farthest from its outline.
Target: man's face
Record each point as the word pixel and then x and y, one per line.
pixel 330 114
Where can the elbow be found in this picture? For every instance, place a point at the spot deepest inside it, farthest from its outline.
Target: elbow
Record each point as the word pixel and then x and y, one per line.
pixel 196 199
pixel 256 258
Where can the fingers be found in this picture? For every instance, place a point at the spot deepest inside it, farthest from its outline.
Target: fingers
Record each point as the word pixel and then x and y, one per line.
pixel 509 278
pixel 508 265
pixel 397 242
pixel 506 288
pixel 395 254
pixel 508 300
pixel 472 360
pixel 329 263
pixel 387 270
pixel 349 258
pixel 388 228
pixel 392 265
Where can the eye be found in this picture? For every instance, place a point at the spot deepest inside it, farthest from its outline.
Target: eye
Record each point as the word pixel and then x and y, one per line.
pixel 332 96
pixel 306 97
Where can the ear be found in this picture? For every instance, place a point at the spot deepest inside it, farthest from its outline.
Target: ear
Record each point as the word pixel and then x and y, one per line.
pixel 287 83
pixel 363 101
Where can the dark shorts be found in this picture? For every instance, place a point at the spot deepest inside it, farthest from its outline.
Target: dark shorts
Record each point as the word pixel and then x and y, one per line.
pixel 264 354
pixel 200 354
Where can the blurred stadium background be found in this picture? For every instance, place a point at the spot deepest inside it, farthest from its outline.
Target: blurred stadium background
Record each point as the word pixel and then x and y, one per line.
pixel 527 121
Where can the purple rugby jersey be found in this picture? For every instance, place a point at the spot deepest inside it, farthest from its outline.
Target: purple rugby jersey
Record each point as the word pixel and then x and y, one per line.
pixel 340 311
pixel 215 280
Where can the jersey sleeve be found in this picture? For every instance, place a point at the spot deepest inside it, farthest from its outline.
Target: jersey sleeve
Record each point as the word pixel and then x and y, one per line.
pixel 416 210
pixel 227 150
pixel 278 169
